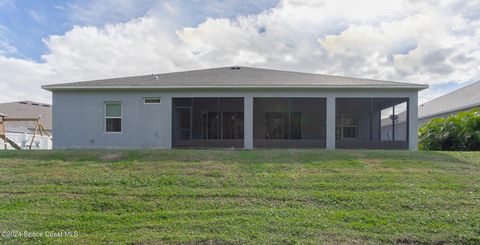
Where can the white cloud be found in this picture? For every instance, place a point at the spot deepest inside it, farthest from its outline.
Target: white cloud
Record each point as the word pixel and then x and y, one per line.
pixel 21 79
pixel 431 41
pixel 6 48
pixel 98 12
pixel 137 47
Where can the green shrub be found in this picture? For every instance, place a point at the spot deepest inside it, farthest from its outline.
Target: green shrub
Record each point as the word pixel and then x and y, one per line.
pixel 458 132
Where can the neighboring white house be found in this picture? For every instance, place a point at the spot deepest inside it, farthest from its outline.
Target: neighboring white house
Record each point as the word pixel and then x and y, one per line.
pixel 239 107
pixel 21 132
pixel 462 99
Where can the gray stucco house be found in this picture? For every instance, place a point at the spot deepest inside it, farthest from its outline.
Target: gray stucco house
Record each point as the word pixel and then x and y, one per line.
pixel 239 107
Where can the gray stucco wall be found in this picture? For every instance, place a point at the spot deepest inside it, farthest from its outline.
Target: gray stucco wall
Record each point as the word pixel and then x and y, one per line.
pixel 79 120
pixel 78 116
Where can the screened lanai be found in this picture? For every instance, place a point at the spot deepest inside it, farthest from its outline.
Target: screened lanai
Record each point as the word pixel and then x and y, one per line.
pixel 289 122
pixel 207 122
pixel 371 123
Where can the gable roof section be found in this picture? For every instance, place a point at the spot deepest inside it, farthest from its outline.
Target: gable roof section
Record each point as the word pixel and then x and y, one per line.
pixel 463 98
pixel 28 109
pixel 233 77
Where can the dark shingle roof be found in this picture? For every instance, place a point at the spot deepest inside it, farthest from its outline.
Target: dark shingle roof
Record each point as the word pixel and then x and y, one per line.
pixel 28 109
pixel 229 77
pixel 463 98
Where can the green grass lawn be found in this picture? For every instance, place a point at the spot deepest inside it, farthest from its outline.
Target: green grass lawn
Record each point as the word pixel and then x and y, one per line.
pixel 225 196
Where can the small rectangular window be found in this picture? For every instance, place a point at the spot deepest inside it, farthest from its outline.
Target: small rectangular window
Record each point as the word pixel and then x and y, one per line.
pixel 151 100
pixel 346 126
pixel 113 117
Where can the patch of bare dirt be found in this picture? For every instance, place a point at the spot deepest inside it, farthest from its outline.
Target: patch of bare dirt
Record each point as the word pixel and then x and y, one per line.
pixel 372 161
pixel 111 157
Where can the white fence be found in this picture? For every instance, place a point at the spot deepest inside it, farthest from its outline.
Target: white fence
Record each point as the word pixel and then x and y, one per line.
pixel 23 140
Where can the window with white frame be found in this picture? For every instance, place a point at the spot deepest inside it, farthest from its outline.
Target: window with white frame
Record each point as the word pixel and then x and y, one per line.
pixel 346 126
pixel 113 116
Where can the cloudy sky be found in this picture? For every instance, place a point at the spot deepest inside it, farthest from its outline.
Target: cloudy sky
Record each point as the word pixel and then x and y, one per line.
pixel 432 41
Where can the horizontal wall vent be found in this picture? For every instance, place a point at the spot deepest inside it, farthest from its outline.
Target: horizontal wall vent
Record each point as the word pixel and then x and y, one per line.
pixel 151 100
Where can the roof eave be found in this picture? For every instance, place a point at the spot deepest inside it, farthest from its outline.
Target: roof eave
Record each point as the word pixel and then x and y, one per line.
pixel 53 87
pixel 461 108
